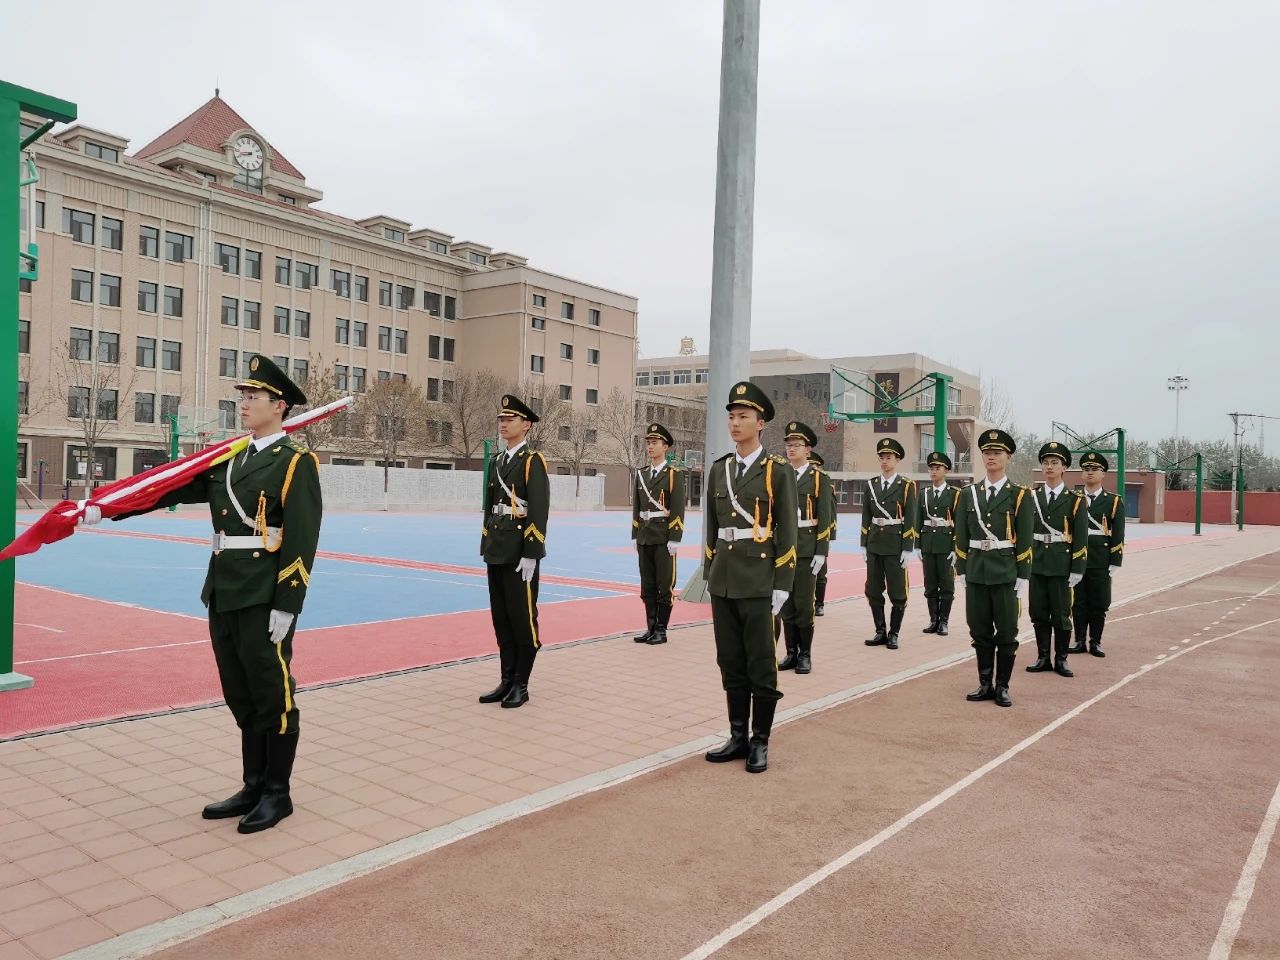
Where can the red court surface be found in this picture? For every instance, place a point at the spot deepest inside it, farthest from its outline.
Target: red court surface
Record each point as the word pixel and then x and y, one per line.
pixel 1113 816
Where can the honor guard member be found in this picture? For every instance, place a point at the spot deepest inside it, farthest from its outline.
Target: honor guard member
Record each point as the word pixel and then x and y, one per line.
pixel 820 585
pixel 938 543
pixel 888 536
pixel 750 565
pixel 1105 516
pixel 266 510
pixel 1057 559
pixel 517 500
pixel 993 561
pixel 813 537
pixel 657 524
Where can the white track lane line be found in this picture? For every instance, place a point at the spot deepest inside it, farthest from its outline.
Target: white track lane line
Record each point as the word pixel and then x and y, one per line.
pixel 1239 901
pixel 798 889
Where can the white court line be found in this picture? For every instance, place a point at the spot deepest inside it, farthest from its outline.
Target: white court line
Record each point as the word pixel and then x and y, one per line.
pixel 801 887
pixel 37 626
pixel 103 653
pixel 1239 901
pixel 1185 606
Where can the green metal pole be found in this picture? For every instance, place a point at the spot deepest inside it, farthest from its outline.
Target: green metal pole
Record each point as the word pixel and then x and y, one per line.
pixel 940 413
pixel 1240 497
pixel 1199 489
pixel 1120 463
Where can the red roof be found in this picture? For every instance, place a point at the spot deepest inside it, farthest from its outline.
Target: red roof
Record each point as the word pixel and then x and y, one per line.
pixel 209 128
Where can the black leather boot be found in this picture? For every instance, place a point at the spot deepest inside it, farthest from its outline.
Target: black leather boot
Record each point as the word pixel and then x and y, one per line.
pixel 877 616
pixel 1061 645
pixel 500 691
pixel 1042 663
pixel 1004 670
pixel 662 617
pixel 736 747
pixel 933 615
pixel 944 617
pixel 1096 623
pixel 789 638
pixel 253 758
pixel 986 667
pixel 761 726
pixel 1082 626
pixel 804 653
pixel 895 626
pixel 820 598
pixel 651 616
pixel 275 804
pixel 518 695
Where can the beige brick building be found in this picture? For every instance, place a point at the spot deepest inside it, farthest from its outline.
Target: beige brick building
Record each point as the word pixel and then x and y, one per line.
pixel 163 271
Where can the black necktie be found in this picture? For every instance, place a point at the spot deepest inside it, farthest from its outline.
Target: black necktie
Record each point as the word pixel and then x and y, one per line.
pixel 1053 495
pixel 884 484
pixel 991 492
pixel 742 467
pixel 1091 496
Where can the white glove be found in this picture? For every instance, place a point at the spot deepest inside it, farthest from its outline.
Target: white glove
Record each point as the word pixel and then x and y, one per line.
pixel 904 558
pixel 818 563
pixel 91 513
pixel 673 548
pixel 1021 588
pixel 279 623
pixel 779 601
pixel 951 558
pixel 527 566
pixel 1074 579
pixel 959 581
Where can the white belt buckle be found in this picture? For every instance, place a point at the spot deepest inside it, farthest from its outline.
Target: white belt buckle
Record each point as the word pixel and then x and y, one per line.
pixel 985 545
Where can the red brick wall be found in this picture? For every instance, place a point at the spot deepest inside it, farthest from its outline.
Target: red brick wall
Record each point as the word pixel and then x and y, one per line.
pixel 1260 508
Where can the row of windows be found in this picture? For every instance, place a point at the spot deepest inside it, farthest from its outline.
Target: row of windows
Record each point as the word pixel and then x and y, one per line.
pixel 660 378
pixel 82 227
pixel 109 293
pixel 80 347
pixel 566 311
pixel 353 378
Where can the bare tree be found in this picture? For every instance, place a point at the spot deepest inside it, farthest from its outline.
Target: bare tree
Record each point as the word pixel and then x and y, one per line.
pixel 553 413
pixel 996 406
pixel 392 416
pixel 94 386
pixel 471 411
pixel 578 436
pixel 321 388
pixel 621 433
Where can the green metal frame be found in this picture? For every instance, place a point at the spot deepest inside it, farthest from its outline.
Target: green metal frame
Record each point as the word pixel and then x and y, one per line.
pixel 1167 464
pixel 892 406
pixel 1095 444
pixel 14 101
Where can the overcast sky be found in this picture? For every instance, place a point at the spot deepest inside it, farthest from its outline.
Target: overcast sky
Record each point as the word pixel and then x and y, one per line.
pixel 1078 199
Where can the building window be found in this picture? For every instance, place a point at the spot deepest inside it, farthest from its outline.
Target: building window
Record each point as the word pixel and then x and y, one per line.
pixel 402 341
pixel 169 406
pixel 359 333
pixel 431 302
pixel 250 181
pixel 340 376
pixel 146 353
pixel 407 297
pixel 661 378
pixel 281 362
pixel 178 247
pixel 384 374
pixel 566 310
pixel 433 389
pixel 702 375
pixel 342 331
pixel 148 242
pixel 391 233
pixel 108 290
pixel 39 214
pixel 593 317
pixel 400 377
pixel 144 408
pixel 446 391
pixel 642 379
pixel 108 347
pixel 81 343
pixel 450 308
pixel 252 315
pixel 593 396
pixel 539 300
pixel 449 345
pixel 226 362
pixel 433 346
pixel 384 293
pixel 340 282
pixel 439 246
pixel 591 436
pixel 24 285
pixel 24 336
pixel 538 323
pixel 82 286
pixel 683 376
pixel 282 320
pixel 146 297
pixel 173 301
pixel 112 233
pixel 228 258
pixel 77 402
pixel 99 152
pixel 537 364
pixel 362 289
pixel 230 312
pixel 479 258
pixel 253 264
pixel 285 198
pixel 357 379
pixel 79 224
pixel 284 269
pixel 301 370
pixel 384 339
pixel 302 324
pixel 308 275
pixel 171 355
pixel 227 414
pixel 246 365
pixel 566 433
pixel 107 403
pixel 593 356
pixel 24 391
pixel 566 392
pixel 566 351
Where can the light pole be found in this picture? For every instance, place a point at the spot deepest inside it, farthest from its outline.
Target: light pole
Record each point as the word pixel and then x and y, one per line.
pixel 1177 385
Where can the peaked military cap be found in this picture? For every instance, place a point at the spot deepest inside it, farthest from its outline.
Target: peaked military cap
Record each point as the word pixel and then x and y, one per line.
pixel 997 440
pixel 937 457
pixel 1094 459
pixel 513 406
pixel 1055 449
pixel 816 459
pixel 658 432
pixel 889 445
pixel 744 393
pixel 801 431
pixel 265 375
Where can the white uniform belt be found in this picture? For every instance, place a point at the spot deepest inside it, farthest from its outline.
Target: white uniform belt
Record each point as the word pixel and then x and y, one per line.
pixel 886 522
pixel 1053 536
pixel 1099 533
pixel 654 514
pixel 938 522
pixel 741 533
pixel 991 545
pixel 506 510
pixel 802 524
pixel 220 541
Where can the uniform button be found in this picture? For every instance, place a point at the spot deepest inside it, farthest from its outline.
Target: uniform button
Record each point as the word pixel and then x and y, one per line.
pixel 762 556
pixel 224 511
pixel 256 554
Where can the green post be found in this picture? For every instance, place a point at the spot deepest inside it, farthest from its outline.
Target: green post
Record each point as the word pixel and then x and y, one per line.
pixel 13 101
pixel 1240 497
pixel 940 382
pixel 1199 488
pixel 1120 464
pixel 175 446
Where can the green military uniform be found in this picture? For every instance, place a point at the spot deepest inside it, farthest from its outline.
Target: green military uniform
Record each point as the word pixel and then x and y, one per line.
pixel 889 515
pixel 749 557
pixel 266 507
pixel 820 584
pixel 813 539
pixel 657 522
pixel 1105 519
pixel 513 539
pixel 1057 563
pixel 938 548
pixel 993 552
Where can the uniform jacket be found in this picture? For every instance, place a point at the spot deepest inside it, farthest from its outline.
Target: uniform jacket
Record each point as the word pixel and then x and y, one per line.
pixel 899 502
pixel 816 503
pixel 667 491
pixel 935 539
pixel 1066 516
pixel 507 539
pixel 1106 548
pixel 1008 516
pixel 765 559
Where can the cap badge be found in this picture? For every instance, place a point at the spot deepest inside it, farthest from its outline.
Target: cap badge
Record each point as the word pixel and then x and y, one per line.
pixel 253 365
